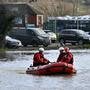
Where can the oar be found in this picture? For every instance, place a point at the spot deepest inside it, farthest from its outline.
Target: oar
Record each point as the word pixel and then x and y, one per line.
pixel 62 44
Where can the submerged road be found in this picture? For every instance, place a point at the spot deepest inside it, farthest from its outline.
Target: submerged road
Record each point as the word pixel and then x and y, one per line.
pixel 13 75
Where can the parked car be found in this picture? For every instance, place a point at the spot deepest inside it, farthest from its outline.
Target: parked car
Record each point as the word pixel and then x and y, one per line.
pixel 12 43
pixel 31 36
pixel 88 33
pixel 73 36
pixel 52 35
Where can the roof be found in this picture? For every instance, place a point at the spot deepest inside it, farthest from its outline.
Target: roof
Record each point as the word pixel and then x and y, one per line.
pixel 19 9
pixel 85 17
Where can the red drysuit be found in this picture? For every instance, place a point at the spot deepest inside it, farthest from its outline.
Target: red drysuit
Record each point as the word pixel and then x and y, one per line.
pixel 39 59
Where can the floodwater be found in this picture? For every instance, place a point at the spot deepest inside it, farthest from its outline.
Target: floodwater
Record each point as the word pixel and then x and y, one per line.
pixel 13 65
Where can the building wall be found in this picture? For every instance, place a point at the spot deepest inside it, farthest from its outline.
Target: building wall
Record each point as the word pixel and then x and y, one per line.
pixel 39 20
pixel 36 20
pixel 31 19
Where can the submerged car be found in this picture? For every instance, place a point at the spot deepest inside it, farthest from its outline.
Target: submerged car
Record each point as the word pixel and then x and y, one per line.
pixel 74 36
pixel 52 35
pixel 31 36
pixel 12 43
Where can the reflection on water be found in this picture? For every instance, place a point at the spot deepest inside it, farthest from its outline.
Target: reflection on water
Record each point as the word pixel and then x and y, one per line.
pixel 13 76
pixel 2 55
pixel 12 55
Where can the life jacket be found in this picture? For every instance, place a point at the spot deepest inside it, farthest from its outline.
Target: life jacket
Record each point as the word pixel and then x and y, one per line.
pixel 68 58
pixel 65 57
pixel 61 57
pixel 39 59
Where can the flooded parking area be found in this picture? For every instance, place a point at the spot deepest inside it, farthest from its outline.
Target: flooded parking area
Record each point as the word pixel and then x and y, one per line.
pixel 13 65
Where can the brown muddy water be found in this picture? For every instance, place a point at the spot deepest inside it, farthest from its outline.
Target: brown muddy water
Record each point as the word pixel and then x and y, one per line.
pixel 13 65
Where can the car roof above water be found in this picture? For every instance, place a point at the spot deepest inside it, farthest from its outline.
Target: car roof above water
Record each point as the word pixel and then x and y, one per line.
pixel 75 30
pixel 71 30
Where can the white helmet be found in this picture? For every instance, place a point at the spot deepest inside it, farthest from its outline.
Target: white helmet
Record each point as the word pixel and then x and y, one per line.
pixel 61 48
pixel 41 49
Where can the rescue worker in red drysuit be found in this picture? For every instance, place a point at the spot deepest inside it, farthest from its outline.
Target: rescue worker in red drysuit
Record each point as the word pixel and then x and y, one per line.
pixel 61 55
pixel 65 55
pixel 39 59
pixel 69 56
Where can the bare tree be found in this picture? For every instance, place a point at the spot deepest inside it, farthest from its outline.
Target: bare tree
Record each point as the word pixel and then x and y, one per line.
pixel 5 24
pixel 54 7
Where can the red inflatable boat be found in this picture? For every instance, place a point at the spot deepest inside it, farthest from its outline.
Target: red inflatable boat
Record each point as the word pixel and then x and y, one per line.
pixel 51 69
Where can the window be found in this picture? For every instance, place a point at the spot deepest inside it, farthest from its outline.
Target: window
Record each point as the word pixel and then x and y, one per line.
pixel 20 31
pixel 65 32
pixel 31 32
pixel 18 20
